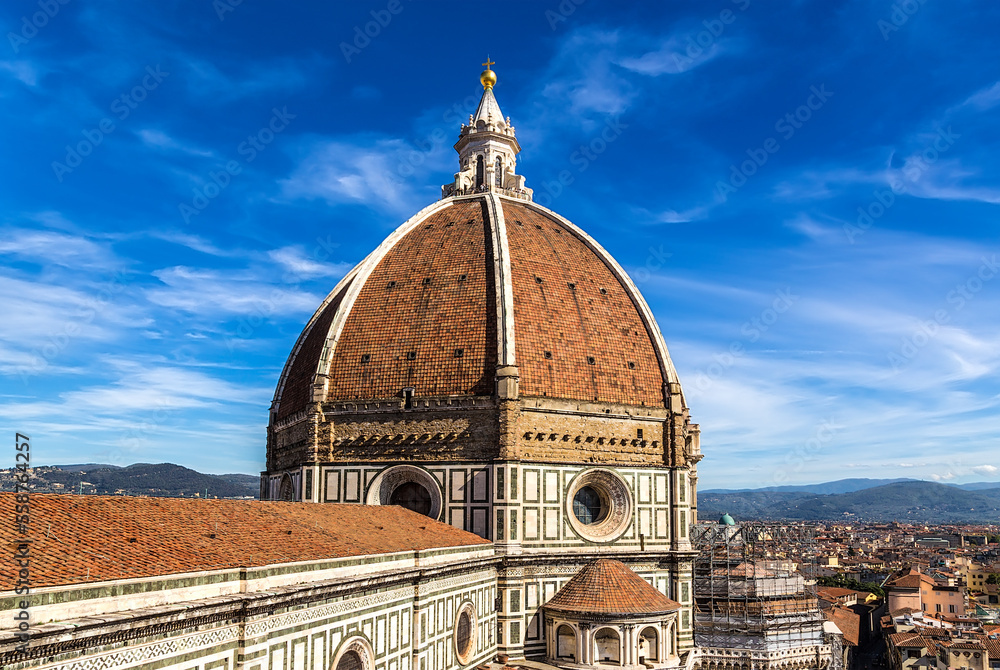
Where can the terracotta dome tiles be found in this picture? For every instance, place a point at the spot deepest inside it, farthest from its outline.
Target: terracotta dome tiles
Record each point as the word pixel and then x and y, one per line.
pixel 567 302
pixel 424 318
pixel 426 315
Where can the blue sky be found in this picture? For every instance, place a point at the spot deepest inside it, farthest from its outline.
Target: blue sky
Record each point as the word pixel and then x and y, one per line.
pixel 805 192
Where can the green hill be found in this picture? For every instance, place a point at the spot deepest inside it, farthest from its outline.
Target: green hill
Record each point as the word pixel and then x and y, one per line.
pixel 143 479
pixel 901 501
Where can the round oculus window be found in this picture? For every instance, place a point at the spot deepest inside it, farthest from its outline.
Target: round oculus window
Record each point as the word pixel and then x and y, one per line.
pixel 407 486
pixel 599 505
pixel 413 497
pixel 589 506
pixel 465 633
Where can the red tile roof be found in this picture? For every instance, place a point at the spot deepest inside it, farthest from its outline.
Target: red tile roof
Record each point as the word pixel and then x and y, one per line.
pixel 79 539
pixel 848 622
pixel 610 587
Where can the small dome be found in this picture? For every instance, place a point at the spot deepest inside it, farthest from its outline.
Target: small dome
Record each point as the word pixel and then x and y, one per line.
pixel 610 588
pixel 727 520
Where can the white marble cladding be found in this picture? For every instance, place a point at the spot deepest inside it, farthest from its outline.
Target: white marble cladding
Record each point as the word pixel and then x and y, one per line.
pixel 123 595
pixel 405 628
pixel 526 504
pixel 522 593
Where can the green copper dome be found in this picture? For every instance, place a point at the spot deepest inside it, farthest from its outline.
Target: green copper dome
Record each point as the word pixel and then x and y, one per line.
pixel 727 520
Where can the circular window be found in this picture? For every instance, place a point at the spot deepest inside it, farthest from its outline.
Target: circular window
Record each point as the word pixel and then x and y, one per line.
pixel 407 486
pixel 412 496
pixel 599 505
pixel 465 633
pixel 588 506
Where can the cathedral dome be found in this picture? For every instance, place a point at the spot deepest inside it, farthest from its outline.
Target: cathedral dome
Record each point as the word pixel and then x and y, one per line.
pixel 470 285
pixel 498 314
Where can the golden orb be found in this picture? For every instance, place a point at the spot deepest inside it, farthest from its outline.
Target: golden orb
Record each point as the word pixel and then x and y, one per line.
pixel 488 78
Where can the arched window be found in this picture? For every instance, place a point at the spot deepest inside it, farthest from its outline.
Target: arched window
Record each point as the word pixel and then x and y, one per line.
pixel 286 491
pixel 648 645
pixel 566 642
pixel 480 171
pixel 498 172
pixel 351 660
pixel 608 647
pixel 355 654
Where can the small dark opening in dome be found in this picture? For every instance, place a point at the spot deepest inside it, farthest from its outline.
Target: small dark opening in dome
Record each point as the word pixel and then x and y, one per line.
pixel 459 353
pixel 462 277
pixel 538 226
pixel 365 358
pixel 427 280
pixel 391 284
pixel 631 365
pixel 638 433
pixel 572 286
pixel 604 291
pixel 591 360
pixel 548 354
pixel 538 280
pixel 518 222
pixel 449 224
pixel 411 355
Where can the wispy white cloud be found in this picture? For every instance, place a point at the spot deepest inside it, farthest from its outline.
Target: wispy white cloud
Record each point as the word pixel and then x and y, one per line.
pixel 368 171
pixel 211 292
pixel 158 139
pixel 299 267
pixel 24 71
pixel 46 247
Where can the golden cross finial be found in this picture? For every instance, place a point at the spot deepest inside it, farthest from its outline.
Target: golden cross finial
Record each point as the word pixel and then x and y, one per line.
pixel 488 77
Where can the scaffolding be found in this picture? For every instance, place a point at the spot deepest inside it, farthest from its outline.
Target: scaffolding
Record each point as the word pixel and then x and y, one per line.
pixel 754 587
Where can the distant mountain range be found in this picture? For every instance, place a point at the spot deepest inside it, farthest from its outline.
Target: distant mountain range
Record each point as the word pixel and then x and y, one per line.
pixel 145 479
pixel 899 500
pixel 879 500
pixel 851 485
